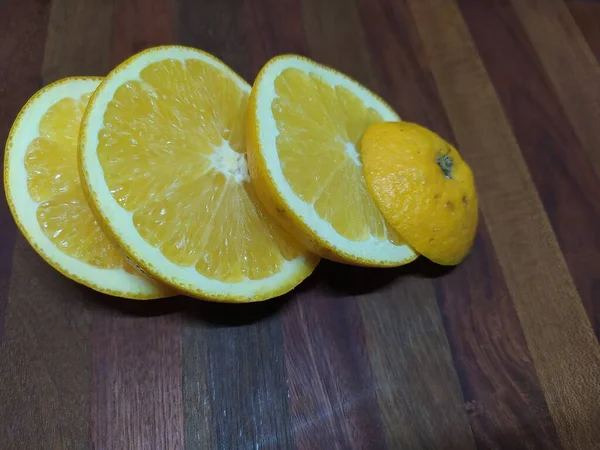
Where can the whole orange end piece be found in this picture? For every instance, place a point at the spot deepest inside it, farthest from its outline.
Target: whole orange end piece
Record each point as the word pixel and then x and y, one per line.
pixel 423 188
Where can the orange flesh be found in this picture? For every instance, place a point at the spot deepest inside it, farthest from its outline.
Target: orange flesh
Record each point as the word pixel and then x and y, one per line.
pixel 172 149
pixel 320 127
pixel 53 182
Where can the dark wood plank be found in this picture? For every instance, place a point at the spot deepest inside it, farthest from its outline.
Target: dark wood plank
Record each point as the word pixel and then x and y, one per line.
pixel 506 406
pixel 336 37
pixel 219 27
pixel 544 133
pixel 492 384
pixel 416 387
pixel 401 71
pixel 563 347
pixel 332 395
pixel 275 27
pixel 140 24
pixel 23 46
pixel 136 386
pixel 78 41
pixel 587 16
pixel 234 378
pixel 136 399
pixel 45 358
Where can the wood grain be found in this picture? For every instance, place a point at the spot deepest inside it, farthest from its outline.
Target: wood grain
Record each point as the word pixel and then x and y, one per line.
pixel 140 24
pixel 23 46
pixel 331 362
pixel 329 379
pixel 335 37
pixel 401 73
pixel 78 42
pixel 498 379
pixel 564 349
pixel 136 398
pixel 416 382
pixel 492 379
pixel 136 391
pixel 404 311
pixel 544 134
pixel 570 65
pixel 275 27
pixel 45 388
pixel 562 69
pixel 587 16
pixel 331 395
pixel 219 27
pixel 234 378
pixel 47 312
pixel 498 353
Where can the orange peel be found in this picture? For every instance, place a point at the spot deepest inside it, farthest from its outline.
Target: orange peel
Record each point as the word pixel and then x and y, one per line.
pixel 423 187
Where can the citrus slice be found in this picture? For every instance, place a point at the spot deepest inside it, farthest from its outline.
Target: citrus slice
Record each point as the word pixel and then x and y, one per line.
pixel 423 187
pixel 304 125
pixel 44 193
pixel 163 157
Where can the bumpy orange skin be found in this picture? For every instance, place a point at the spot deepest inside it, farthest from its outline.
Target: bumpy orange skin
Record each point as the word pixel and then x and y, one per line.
pixel 435 213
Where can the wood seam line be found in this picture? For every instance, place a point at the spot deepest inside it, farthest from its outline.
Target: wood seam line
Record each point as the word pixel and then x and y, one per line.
pixel 570 66
pixel 587 16
pixel 59 61
pixel 49 42
pixel 562 343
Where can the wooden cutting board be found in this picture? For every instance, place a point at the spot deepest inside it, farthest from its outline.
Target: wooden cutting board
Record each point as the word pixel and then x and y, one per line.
pixel 500 353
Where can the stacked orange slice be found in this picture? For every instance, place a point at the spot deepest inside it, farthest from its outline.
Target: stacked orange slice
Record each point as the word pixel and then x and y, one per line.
pixel 173 174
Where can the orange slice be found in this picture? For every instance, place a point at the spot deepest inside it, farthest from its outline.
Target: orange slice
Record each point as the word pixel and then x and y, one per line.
pixel 304 125
pixel 44 193
pixel 163 157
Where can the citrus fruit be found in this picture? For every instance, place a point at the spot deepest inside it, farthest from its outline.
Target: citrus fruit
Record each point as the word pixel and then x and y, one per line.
pixel 423 187
pixel 44 193
pixel 304 124
pixel 162 154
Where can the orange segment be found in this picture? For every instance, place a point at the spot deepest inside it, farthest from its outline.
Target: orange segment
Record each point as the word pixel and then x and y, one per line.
pixel 67 221
pixel 51 169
